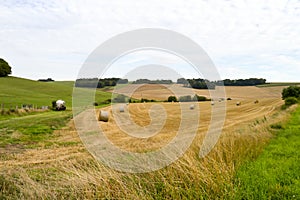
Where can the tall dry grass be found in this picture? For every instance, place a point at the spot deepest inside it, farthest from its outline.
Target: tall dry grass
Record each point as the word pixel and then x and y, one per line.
pixel 70 172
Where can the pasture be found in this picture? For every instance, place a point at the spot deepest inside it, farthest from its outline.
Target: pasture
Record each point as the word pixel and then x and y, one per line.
pixel 50 161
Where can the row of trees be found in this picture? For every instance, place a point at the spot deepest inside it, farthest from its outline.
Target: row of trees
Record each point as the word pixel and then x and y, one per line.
pixel 187 98
pixel 242 82
pixel 99 83
pixel 206 84
pixel 147 81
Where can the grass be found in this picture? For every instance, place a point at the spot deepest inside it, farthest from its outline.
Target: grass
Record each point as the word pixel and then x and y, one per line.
pixel 276 172
pixel 31 130
pixel 275 84
pixel 51 170
pixel 17 91
pixel 42 158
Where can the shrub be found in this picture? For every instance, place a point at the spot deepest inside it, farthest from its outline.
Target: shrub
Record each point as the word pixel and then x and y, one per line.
pixel 290 101
pixel 276 126
pixel 201 98
pixel 291 91
pixel 172 98
pixel 185 98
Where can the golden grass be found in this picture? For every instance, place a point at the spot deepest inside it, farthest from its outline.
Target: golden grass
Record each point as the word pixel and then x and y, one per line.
pixel 70 172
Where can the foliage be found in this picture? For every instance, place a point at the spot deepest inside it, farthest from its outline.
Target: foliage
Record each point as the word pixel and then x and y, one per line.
pixel 291 91
pixel 147 100
pixel 290 101
pixel 199 98
pixel 46 80
pixel 242 82
pixel 147 81
pixel 199 84
pixel 5 69
pixel 120 98
pixel 186 98
pixel 99 83
pixel 172 99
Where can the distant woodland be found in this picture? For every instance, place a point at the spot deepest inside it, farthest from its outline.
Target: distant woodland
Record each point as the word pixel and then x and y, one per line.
pixel 99 83
pixel 193 83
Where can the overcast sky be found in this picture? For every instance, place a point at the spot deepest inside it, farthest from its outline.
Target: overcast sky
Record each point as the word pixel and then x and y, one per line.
pixel 53 38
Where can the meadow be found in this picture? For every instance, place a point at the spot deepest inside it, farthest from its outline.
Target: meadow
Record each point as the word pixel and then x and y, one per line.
pixel 42 156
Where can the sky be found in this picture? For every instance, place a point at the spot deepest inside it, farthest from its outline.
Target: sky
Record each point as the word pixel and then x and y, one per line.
pixel 244 39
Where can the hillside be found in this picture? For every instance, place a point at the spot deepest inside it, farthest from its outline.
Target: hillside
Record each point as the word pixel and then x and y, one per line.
pixel 17 91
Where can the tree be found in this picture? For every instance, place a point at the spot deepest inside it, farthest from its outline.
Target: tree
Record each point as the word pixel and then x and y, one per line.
pixel 291 91
pixel 290 101
pixel 5 69
pixel 172 99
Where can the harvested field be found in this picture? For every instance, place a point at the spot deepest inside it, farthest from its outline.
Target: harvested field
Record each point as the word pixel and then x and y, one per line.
pixel 162 92
pixel 63 168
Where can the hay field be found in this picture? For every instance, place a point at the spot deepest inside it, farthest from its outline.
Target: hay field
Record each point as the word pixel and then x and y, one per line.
pixel 63 168
pixel 162 92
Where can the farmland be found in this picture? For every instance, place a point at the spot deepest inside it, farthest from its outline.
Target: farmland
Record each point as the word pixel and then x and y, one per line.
pixel 42 155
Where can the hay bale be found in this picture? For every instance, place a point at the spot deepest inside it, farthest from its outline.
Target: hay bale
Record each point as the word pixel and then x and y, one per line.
pixel 122 109
pixel 212 103
pixel 103 116
pixel 256 101
pixel 192 107
pixel 238 103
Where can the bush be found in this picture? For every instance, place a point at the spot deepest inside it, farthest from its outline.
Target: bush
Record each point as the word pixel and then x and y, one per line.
pixel 199 98
pixel 120 99
pixel 187 98
pixel 290 101
pixel 291 91
pixel 172 99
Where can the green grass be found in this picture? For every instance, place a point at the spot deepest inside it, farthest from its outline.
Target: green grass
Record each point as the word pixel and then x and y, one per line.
pixel 276 172
pixel 28 131
pixel 17 91
pixel 275 84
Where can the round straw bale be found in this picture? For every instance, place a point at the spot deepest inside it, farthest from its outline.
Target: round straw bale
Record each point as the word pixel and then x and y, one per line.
pixel 121 108
pixel 103 116
pixel 192 107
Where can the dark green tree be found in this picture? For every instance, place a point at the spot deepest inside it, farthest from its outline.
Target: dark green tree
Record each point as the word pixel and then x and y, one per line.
pixel 5 69
pixel 172 98
pixel 291 91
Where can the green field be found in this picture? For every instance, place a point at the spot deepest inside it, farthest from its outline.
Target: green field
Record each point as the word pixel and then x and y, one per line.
pixel 275 84
pixel 276 172
pixel 17 91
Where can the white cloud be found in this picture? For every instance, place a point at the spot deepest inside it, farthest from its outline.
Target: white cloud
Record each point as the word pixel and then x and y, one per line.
pixel 39 36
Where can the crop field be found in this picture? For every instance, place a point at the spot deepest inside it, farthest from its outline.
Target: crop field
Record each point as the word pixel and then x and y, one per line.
pixel 42 156
pixel 161 92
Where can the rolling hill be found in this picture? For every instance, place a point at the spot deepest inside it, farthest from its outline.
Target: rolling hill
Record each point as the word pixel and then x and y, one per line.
pixel 17 91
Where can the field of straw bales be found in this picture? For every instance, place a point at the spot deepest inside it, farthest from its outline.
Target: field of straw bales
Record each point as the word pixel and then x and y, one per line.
pixel 61 167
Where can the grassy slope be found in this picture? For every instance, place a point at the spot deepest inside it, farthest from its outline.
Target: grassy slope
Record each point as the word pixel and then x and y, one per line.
pixel 275 84
pixel 276 173
pixel 30 129
pixel 17 91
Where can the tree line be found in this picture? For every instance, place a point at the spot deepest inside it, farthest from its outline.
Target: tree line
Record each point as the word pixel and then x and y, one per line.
pixel 99 83
pixel 147 81
pixel 206 84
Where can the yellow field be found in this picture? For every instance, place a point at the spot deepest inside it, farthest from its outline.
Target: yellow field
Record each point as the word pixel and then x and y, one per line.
pixel 71 172
pixel 162 92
